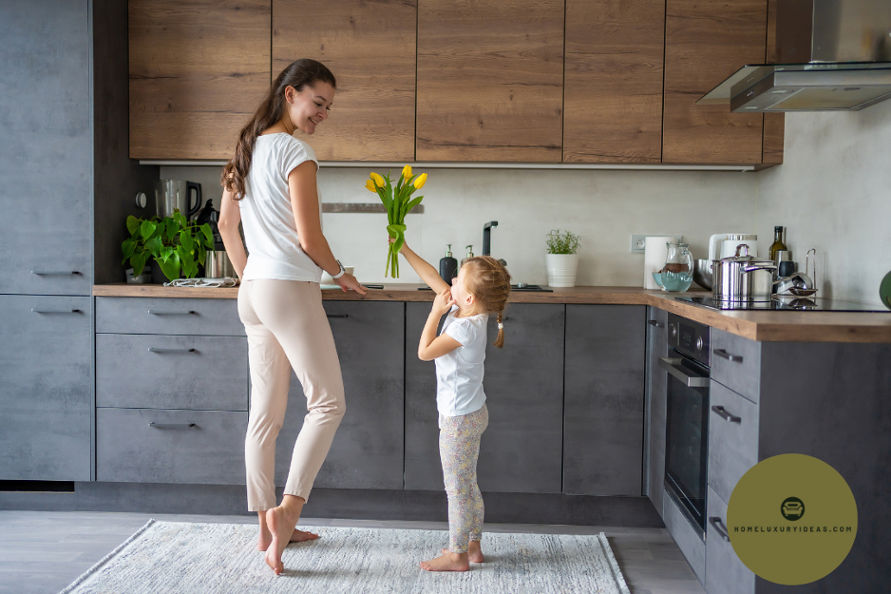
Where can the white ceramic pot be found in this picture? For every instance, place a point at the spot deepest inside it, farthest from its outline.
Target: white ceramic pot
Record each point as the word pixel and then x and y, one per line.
pixel 562 269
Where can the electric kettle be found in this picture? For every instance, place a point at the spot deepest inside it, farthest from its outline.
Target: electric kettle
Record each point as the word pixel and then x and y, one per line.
pixel 176 194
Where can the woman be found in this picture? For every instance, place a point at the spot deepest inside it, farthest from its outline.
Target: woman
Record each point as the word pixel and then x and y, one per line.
pixel 270 188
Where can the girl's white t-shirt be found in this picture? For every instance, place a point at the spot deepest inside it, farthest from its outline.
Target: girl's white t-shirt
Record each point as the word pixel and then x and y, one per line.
pixel 270 232
pixel 459 373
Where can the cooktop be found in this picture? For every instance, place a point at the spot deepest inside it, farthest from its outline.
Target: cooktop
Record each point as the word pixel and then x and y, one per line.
pixel 784 304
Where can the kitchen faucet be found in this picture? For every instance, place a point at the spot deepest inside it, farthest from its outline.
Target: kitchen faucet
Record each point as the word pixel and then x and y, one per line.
pixel 487 237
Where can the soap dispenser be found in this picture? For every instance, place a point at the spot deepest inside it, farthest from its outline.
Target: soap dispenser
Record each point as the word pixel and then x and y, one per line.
pixel 468 255
pixel 448 266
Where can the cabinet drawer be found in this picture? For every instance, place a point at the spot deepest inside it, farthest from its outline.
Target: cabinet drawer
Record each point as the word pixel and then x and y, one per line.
pixel 138 315
pixel 736 363
pixel 170 446
pixel 188 372
pixel 724 572
pixel 732 438
pixel 688 538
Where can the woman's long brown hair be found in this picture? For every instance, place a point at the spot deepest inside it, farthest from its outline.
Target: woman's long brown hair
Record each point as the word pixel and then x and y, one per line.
pixel 298 74
pixel 489 283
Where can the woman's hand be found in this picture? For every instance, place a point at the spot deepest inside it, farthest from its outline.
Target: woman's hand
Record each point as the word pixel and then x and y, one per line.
pixel 442 303
pixel 348 282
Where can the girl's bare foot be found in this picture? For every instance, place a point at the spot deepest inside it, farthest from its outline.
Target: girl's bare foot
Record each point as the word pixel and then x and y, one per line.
pixel 281 521
pixel 297 536
pixel 474 552
pixel 447 562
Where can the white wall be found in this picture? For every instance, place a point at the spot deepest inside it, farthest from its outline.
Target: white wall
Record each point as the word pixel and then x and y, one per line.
pixel 604 206
pixel 833 192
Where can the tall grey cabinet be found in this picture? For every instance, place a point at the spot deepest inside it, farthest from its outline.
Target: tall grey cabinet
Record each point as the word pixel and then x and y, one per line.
pixel 46 237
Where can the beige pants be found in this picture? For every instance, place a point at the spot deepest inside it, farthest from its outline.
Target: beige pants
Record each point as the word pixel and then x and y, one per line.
pixel 287 329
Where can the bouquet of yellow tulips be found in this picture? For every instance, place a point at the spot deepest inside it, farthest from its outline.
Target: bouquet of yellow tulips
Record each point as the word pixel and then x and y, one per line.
pixel 398 202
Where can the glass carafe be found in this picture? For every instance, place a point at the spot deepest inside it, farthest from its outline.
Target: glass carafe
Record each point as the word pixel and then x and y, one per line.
pixel 677 274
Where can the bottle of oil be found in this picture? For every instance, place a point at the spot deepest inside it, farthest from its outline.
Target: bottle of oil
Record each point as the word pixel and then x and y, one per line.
pixel 779 243
pixel 448 266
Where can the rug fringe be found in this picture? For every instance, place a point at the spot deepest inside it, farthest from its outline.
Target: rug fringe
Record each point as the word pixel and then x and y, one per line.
pixel 95 567
pixel 617 573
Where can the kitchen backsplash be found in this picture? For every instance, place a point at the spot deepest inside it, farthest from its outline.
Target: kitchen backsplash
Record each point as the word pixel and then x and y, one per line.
pixel 833 192
pixel 604 206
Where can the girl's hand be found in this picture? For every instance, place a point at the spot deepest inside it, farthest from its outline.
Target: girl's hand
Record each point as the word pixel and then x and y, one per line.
pixel 442 303
pixel 393 240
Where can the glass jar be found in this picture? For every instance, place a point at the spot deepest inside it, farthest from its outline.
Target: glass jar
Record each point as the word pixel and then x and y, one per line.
pixel 677 274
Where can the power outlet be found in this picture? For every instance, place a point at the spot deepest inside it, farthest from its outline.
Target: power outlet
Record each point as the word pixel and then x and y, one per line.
pixel 638 243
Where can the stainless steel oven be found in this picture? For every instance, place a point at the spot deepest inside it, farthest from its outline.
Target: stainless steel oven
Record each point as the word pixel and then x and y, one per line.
pixel 686 431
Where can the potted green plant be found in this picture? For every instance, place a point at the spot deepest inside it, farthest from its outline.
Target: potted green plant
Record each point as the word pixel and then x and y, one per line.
pixel 177 245
pixel 562 257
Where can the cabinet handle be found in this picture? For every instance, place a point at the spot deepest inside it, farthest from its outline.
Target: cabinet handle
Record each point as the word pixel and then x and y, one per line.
pixel 719 527
pixel 338 316
pixel 56 311
pixel 163 351
pixel 725 414
pixel 56 272
pixel 728 356
pixel 155 425
pixel 691 381
pixel 155 312
pixel 655 323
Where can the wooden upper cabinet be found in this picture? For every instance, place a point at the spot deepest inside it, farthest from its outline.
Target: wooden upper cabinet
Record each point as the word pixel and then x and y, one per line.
pixel 490 80
pixel 198 70
pixel 370 48
pixel 705 42
pixel 774 123
pixel 613 89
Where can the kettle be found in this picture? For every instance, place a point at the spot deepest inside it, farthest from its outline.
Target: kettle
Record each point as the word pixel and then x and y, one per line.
pixel 723 245
pixel 176 194
pixel 211 216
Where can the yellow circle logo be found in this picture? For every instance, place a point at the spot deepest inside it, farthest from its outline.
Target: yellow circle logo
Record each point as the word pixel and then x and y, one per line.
pixel 792 519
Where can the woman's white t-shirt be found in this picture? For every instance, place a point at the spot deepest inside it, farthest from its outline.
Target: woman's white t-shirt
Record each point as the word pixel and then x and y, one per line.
pixel 459 373
pixel 270 232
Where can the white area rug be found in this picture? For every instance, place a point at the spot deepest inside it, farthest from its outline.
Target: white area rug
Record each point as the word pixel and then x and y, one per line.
pixel 194 558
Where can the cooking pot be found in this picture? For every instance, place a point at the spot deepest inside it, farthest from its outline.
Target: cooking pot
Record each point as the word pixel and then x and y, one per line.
pixel 218 265
pixel 742 277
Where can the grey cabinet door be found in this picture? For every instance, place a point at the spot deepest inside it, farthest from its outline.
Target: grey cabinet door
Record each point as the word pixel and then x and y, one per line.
pixel 367 449
pixel 140 315
pixel 170 446
pixel 175 372
pixel 46 231
pixel 46 394
pixel 604 399
pixel 655 407
pixel 521 449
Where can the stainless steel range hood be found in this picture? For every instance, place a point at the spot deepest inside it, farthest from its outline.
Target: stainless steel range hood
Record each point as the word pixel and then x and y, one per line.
pixel 831 55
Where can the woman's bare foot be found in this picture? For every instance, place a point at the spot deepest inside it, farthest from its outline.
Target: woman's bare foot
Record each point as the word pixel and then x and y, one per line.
pixel 447 562
pixel 474 552
pixel 281 521
pixel 297 536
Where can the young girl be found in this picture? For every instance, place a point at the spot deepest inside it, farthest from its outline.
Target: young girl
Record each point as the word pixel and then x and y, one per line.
pixel 270 187
pixel 481 287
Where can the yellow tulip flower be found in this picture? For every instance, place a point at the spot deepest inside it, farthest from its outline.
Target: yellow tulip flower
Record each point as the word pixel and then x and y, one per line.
pixel 406 172
pixel 369 185
pixel 378 180
pixel 420 181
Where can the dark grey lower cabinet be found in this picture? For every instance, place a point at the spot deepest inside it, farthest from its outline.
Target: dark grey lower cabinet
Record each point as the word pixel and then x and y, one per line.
pixel 655 406
pixel 604 386
pixel 367 450
pixel 170 446
pixel 522 448
pixel 46 396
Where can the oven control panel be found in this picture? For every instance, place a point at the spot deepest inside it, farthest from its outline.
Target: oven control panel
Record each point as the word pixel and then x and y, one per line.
pixel 689 338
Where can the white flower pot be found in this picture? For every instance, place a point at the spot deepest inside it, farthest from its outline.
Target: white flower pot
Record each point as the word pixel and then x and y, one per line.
pixel 562 269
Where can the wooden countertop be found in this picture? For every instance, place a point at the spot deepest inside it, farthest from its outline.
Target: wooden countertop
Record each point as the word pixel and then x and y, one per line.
pixel 789 326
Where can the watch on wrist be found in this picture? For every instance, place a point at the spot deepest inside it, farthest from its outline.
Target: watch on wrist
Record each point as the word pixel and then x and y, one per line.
pixel 340 273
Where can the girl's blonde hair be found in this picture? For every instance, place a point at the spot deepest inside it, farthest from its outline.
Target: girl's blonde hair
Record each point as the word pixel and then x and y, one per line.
pixel 489 283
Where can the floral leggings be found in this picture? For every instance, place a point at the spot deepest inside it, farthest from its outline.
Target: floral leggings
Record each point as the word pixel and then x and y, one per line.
pixel 459 448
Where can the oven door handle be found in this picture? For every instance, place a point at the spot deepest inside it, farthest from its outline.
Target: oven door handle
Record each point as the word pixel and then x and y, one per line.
pixel 672 365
